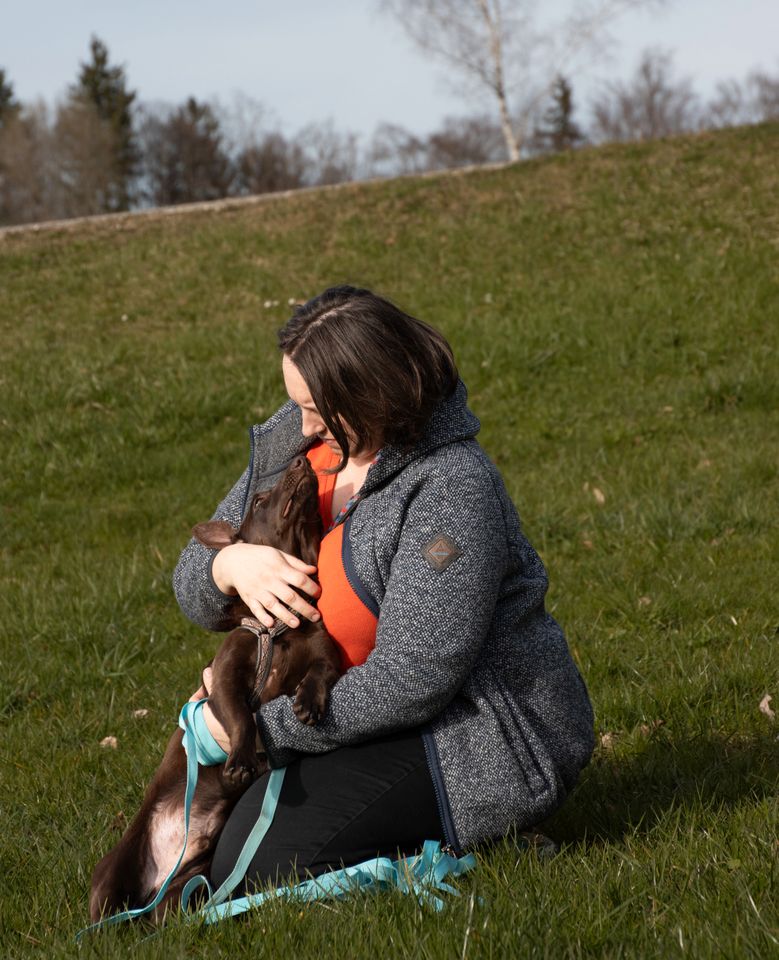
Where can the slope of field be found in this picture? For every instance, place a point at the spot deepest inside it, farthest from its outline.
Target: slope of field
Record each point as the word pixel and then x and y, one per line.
pixel 615 314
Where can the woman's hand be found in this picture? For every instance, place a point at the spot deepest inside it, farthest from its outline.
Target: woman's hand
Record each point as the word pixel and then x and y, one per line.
pixel 215 728
pixel 268 581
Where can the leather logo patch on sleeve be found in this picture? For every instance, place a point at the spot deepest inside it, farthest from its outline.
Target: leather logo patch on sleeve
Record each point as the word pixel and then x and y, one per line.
pixel 441 552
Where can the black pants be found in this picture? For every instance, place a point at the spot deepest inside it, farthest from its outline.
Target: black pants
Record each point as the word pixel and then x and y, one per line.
pixel 336 809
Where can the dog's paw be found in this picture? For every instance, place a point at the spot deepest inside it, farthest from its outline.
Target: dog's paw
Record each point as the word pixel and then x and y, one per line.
pixel 310 702
pixel 238 775
pixel 242 767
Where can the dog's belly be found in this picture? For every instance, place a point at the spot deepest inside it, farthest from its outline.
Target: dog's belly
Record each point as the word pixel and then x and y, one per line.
pixel 166 838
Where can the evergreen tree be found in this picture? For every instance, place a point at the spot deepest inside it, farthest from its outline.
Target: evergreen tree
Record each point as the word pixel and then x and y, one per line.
pixel 9 105
pixel 185 159
pixel 105 87
pixel 559 131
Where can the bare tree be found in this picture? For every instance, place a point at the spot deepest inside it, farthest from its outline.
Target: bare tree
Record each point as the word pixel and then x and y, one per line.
pixel 765 96
pixel 54 166
pixel 84 150
pixel 463 141
pixel 265 160
pixel 460 142
pixel 496 46
pixel 25 166
pixel 756 100
pixel 332 156
pixel 395 151
pixel 272 163
pixel 728 107
pixel 244 122
pixel 653 104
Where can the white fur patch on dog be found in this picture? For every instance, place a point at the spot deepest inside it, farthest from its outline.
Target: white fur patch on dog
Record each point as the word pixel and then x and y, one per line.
pixel 166 838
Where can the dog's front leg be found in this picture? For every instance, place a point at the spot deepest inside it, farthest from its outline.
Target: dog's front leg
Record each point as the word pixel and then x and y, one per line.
pixel 232 686
pixel 313 692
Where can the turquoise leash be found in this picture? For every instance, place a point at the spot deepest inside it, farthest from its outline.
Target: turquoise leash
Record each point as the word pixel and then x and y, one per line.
pixel 197 736
pixel 419 875
pixel 250 847
pixel 422 875
pixel 189 792
pixel 200 747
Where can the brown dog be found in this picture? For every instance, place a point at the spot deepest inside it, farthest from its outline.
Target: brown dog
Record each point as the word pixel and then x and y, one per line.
pixel 305 663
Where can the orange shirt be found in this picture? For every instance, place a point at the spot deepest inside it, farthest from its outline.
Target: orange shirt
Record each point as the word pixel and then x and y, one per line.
pixel 348 612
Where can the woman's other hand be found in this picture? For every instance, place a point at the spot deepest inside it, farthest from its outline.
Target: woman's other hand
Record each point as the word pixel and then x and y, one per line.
pixel 215 728
pixel 268 581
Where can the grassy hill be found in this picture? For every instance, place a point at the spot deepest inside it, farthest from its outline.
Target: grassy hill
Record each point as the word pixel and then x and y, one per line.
pixel 615 314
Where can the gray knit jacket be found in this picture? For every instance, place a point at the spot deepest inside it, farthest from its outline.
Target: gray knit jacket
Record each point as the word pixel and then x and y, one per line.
pixel 464 647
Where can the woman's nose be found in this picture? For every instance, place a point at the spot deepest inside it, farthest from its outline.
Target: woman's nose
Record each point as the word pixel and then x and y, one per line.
pixel 311 425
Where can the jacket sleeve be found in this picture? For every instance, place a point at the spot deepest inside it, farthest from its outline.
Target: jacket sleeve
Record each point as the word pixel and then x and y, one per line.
pixel 430 629
pixel 198 596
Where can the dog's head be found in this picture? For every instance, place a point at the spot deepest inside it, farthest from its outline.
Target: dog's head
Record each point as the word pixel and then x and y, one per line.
pixel 286 517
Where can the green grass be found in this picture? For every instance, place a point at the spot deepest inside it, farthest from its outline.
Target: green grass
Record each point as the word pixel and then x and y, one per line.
pixel 615 314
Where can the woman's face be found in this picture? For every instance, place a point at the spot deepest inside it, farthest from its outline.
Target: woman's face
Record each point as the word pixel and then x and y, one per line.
pixel 313 424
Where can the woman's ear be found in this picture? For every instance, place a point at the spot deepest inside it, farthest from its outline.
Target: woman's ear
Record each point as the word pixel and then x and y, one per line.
pixel 215 534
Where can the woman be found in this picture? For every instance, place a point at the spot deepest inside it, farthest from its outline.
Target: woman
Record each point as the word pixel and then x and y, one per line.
pixel 461 713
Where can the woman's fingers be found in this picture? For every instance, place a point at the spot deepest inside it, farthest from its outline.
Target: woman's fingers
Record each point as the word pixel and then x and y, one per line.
pixel 291 598
pixel 278 611
pixel 298 563
pixel 291 580
pixel 282 603
pixel 257 609
pixel 297 577
pixel 202 692
pixel 287 604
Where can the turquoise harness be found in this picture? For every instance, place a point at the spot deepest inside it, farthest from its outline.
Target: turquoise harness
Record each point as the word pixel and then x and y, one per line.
pixel 420 875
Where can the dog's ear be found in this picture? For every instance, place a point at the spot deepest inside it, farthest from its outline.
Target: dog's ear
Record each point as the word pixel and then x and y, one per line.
pixel 215 534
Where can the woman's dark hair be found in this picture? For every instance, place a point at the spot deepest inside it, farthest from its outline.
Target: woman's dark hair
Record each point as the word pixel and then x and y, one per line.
pixel 368 364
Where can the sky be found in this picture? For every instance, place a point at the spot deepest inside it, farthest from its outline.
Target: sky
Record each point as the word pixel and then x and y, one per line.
pixel 339 60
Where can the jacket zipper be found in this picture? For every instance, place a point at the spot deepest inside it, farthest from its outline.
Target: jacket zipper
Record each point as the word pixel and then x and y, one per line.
pixel 444 810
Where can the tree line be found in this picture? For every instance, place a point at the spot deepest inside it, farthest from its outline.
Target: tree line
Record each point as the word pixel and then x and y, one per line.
pixel 99 150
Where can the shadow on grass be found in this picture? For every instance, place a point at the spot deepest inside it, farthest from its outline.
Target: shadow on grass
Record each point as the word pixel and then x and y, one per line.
pixel 626 791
